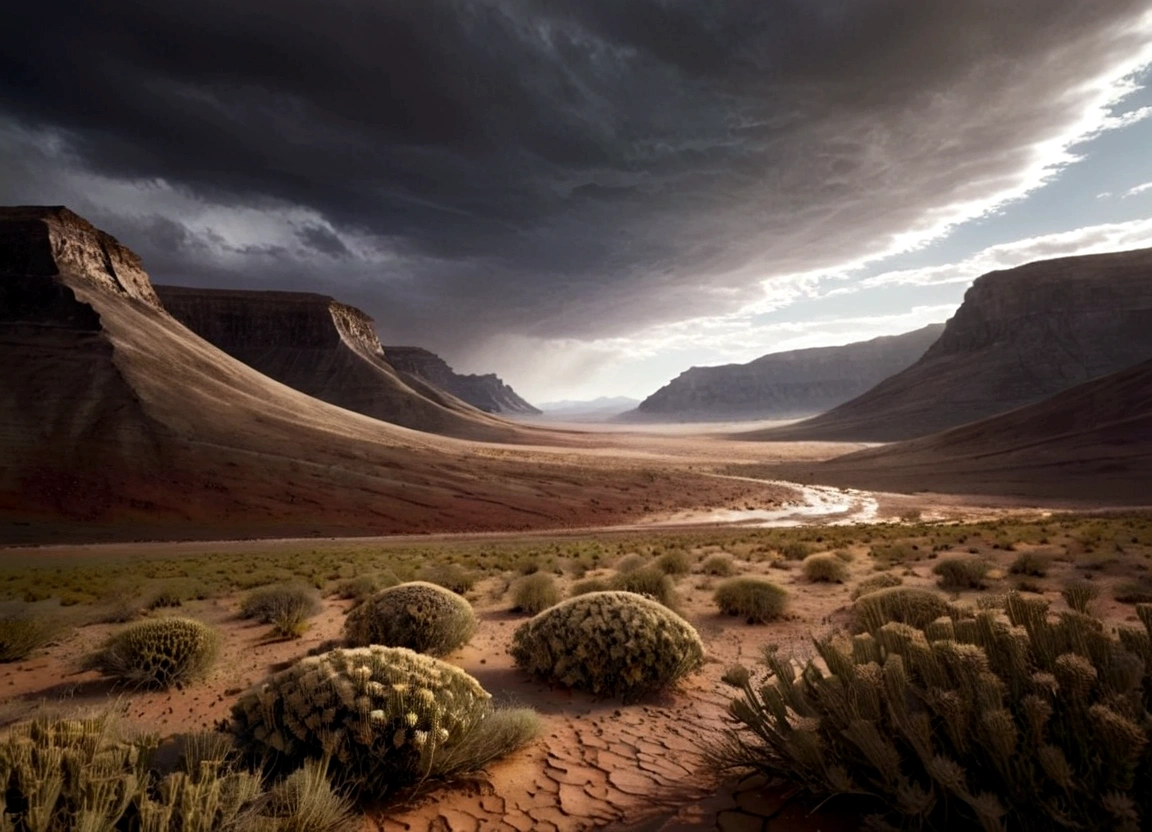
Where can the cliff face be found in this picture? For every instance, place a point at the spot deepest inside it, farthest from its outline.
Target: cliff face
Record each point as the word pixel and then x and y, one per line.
pixel 786 384
pixel 1020 336
pixel 486 392
pixel 324 349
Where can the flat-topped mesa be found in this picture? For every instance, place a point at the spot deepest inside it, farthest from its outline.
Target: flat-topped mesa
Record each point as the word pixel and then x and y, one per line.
pixel 1020 336
pixel 486 392
pixel 323 348
pixel 784 385
pixel 39 242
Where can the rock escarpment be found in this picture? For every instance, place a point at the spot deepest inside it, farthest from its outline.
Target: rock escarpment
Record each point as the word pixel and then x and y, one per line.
pixel 486 392
pixel 1020 336
pixel 1091 442
pixel 784 385
pixel 324 349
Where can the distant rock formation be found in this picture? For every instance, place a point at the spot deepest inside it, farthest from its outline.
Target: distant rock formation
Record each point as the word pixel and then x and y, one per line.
pixel 1092 442
pixel 1020 336
pixel 784 385
pixel 325 349
pixel 486 392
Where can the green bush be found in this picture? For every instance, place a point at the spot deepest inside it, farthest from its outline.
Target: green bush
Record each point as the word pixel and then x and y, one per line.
pixel 1016 720
pixel 1079 595
pixel 267 604
pixel 718 565
pixel 609 643
pixel 21 635
pixel 1033 564
pixel 362 587
pixel 386 717
pixel 534 593
pixel 906 605
pixel 962 573
pixel 630 563
pixel 757 600
pixel 825 568
pixel 882 581
pixel 451 576
pixel 648 581
pixel 794 550
pixel 675 562
pixel 589 585
pixel 423 617
pixel 159 653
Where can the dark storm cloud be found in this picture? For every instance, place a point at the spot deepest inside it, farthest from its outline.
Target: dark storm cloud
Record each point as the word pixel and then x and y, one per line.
pixel 573 167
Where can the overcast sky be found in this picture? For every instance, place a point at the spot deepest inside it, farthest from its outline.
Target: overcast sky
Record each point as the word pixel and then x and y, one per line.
pixel 590 196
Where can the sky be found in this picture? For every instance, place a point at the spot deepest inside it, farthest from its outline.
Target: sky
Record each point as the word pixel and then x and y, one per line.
pixel 590 196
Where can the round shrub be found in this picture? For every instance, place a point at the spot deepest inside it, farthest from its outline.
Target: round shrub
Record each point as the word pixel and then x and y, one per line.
pixel 756 599
pixel 884 580
pixel 719 565
pixel 962 573
pixel 386 717
pixel 675 562
pixel 364 586
pixel 630 562
pixel 451 576
pixel 900 604
pixel 1033 564
pixel 534 593
pixel 160 653
pixel 420 616
pixel 609 643
pixel 589 585
pixel 269 604
pixel 825 568
pixel 648 581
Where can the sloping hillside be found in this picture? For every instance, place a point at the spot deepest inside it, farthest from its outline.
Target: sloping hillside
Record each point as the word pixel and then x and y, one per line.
pixel 1020 336
pixel 784 385
pixel 325 349
pixel 486 392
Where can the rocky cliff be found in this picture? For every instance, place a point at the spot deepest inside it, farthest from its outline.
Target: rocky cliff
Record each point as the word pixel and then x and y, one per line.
pixel 784 385
pixel 324 349
pixel 486 392
pixel 1020 336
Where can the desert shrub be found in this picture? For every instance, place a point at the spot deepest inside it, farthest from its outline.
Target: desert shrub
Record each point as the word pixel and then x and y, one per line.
pixel 630 563
pixel 609 643
pixel 882 581
pixel 20 635
pixel 825 568
pixel 845 555
pixel 1033 564
pixel 675 562
pixel 1020 720
pixel 305 801
pixel 589 585
pixel 756 599
pixel 159 653
pixel 534 593
pixel 1133 592
pixel 794 550
pixel 648 581
pixel 423 617
pixel 719 565
pixel 451 576
pixel 268 603
pixel 386 717
pixel 906 605
pixel 361 587
pixel 891 554
pixel 962 573
pixel 1079 595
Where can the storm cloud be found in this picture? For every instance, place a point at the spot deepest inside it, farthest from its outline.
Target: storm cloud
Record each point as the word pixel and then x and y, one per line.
pixel 572 169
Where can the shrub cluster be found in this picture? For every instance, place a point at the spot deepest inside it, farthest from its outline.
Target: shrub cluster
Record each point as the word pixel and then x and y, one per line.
pixel 159 653
pixel 718 565
pixel 423 617
pixel 1007 720
pixel 286 608
pixel 589 585
pixel 534 593
pixel 905 605
pixel 675 562
pixel 825 568
pixel 609 643
pixel 884 580
pixel 649 581
pixel 386 718
pixel 451 576
pixel 1030 563
pixel 962 572
pixel 20 635
pixel 756 599
pixel 364 586
pixel 1079 595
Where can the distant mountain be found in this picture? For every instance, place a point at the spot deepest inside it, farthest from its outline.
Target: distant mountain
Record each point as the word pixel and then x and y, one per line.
pixel 1020 336
pixel 1091 442
pixel 601 407
pixel 325 349
pixel 784 385
pixel 486 392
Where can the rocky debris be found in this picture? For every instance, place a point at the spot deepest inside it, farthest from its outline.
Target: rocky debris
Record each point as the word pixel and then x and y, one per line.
pixel 784 385
pixel 1020 336
pixel 325 349
pixel 486 392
